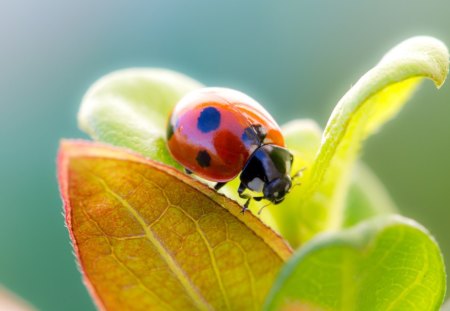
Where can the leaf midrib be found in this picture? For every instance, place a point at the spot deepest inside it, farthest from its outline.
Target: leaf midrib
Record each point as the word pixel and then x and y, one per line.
pixel 191 290
pixel 205 241
pixel 121 263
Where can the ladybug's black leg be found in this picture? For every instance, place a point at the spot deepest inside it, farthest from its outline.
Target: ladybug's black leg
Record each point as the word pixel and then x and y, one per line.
pixel 242 195
pixel 241 190
pixel 247 203
pixel 245 207
pixel 259 199
pixel 260 210
pixel 219 185
pixel 187 171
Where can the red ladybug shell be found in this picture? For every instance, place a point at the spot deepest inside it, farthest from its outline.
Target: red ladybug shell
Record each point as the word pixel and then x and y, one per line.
pixel 213 131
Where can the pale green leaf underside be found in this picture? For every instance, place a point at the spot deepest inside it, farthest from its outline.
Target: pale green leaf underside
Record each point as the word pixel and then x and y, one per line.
pixel 130 108
pixel 366 198
pixel 384 264
pixel 373 100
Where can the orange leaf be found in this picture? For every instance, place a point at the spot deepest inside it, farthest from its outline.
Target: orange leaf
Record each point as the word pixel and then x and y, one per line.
pixel 148 237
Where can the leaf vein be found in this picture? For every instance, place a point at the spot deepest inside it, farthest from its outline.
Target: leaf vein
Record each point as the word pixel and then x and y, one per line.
pixel 190 288
pixel 121 263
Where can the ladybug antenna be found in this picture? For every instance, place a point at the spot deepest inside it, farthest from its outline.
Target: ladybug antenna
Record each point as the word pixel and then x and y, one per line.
pixel 295 176
pixel 260 210
pixel 295 185
pixel 298 174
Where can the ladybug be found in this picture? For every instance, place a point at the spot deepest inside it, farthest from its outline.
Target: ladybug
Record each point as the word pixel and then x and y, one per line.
pixel 219 133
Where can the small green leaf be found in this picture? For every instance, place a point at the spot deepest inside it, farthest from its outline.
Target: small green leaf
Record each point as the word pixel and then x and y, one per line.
pixel 372 101
pixel 130 108
pixel 367 197
pixel 389 263
pixel 303 139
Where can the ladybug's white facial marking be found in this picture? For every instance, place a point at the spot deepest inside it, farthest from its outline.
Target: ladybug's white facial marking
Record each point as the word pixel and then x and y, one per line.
pixel 256 184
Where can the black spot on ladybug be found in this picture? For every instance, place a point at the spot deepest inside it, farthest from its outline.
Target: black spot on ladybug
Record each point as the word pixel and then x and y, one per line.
pixel 209 120
pixel 254 134
pixel 169 132
pixel 203 158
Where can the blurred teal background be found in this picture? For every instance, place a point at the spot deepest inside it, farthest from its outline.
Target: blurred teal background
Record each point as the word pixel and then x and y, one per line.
pixel 296 57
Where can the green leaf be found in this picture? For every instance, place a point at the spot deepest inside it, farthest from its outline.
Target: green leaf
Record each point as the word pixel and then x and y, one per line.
pixel 389 263
pixel 148 237
pixel 372 101
pixel 130 108
pixel 367 197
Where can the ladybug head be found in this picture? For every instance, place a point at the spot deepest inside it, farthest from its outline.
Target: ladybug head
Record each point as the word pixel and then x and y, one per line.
pixel 268 171
pixel 276 190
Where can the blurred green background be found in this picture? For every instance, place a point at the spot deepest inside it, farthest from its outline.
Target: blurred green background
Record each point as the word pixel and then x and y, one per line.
pixel 296 57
